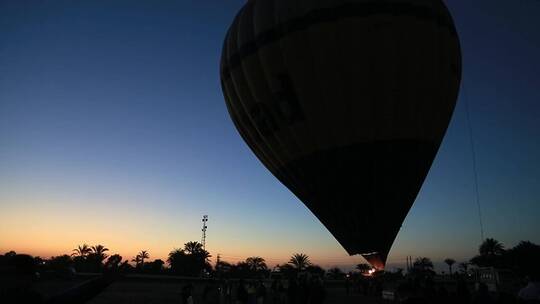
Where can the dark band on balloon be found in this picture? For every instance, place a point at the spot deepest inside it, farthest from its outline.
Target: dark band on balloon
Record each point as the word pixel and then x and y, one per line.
pixel 349 10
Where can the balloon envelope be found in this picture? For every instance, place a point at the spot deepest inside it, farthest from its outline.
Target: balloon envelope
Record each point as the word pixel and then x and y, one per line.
pixel 346 102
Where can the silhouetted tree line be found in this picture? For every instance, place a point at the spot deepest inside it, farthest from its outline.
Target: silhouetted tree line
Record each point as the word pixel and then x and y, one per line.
pixel 523 259
pixel 192 260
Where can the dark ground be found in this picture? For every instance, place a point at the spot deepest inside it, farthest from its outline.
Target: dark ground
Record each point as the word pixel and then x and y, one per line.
pixel 169 291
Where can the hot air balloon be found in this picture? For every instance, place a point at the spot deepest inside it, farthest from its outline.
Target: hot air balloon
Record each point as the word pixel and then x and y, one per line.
pixel 346 102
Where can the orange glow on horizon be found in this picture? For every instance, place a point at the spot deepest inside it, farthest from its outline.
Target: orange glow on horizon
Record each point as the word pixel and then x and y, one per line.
pixel 49 229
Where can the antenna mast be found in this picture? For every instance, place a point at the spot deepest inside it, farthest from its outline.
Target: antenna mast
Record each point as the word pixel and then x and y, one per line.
pixel 203 239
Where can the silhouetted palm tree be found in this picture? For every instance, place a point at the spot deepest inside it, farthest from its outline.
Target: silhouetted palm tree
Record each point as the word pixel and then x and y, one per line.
pixel 190 261
pixel 423 264
pixel 175 255
pixel 196 251
pixel 99 252
pixel 491 247
pixel 178 261
pixel 300 261
pixel 82 251
pixel 450 262
pixel 193 247
pixel 141 256
pixel 96 257
pixel 256 263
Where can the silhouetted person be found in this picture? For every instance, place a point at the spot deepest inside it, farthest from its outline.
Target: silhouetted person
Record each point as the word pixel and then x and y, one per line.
pixel 187 297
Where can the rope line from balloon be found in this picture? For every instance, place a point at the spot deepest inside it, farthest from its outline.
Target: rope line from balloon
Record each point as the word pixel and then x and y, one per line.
pixel 473 155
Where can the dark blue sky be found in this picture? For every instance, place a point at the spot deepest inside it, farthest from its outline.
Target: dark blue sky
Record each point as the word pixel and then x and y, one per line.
pixel 111 114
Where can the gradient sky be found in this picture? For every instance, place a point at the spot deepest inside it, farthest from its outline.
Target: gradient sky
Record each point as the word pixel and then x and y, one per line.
pixel 113 130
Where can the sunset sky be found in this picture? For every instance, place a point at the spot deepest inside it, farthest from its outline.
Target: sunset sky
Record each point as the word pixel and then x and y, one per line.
pixel 113 130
